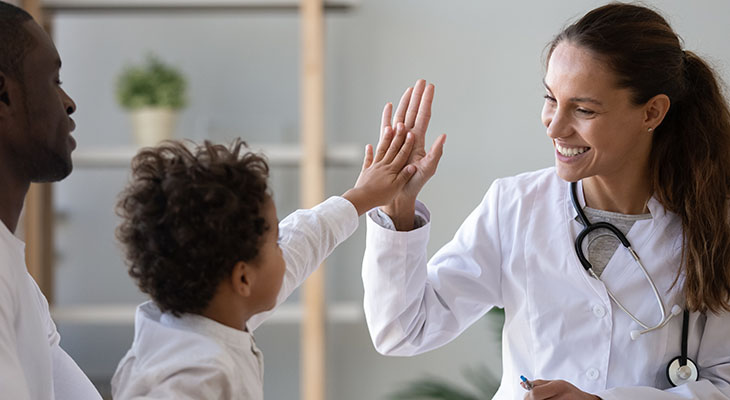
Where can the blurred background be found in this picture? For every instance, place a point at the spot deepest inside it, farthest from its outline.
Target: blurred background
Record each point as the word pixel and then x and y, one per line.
pixel 242 66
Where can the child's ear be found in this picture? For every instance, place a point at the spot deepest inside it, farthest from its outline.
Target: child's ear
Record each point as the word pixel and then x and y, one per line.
pixel 243 278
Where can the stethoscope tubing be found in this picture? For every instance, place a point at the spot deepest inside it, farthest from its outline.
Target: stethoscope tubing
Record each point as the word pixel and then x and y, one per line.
pixel 589 227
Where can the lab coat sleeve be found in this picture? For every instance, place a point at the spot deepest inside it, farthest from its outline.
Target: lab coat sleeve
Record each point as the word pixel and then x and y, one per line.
pixel 412 306
pixel 306 238
pixel 713 361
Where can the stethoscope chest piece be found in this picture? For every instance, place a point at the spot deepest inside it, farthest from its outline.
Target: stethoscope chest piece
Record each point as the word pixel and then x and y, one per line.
pixel 680 374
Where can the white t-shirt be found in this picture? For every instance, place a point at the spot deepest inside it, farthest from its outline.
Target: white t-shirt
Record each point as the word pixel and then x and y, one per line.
pixel 32 364
pixel 193 357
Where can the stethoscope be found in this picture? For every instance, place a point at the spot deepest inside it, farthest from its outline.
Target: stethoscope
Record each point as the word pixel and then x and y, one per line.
pixel 681 369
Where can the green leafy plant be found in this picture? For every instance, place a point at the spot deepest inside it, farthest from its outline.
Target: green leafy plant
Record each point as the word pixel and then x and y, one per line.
pixel 483 383
pixel 153 84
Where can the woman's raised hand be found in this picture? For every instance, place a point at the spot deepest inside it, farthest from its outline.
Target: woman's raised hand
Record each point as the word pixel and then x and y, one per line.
pixel 414 113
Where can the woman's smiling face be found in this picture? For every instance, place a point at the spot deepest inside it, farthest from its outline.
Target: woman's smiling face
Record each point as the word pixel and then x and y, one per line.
pixel 595 127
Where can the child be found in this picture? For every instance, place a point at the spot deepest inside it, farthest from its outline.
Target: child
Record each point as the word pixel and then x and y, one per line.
pixel 202 239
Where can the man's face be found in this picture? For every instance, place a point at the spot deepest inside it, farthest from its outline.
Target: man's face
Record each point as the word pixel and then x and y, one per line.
pixel 38 141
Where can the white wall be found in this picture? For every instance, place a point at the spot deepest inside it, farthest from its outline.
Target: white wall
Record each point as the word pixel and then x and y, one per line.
pixel 486 59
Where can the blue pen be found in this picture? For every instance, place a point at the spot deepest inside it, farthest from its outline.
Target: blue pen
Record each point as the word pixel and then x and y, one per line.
pixel 528 384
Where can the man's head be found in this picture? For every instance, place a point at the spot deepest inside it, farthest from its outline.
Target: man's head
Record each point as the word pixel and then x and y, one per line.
pixel 35 127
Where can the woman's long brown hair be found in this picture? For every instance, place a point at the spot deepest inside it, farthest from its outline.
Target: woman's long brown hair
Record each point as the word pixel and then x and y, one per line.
pixel 690 155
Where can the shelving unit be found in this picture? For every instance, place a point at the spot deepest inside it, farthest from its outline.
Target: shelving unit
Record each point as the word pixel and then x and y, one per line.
pixel 311 156
pixel 178 5
pixel 277 155
pixel 123 314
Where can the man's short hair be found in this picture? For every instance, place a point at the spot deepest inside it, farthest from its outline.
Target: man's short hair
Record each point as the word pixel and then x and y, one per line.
pixel 15 40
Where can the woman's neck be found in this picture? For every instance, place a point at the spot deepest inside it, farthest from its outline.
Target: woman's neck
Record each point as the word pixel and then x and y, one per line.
pixel 626 195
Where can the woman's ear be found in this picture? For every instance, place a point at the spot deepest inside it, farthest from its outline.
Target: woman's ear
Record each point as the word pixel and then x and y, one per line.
pixel 655 111
pixel 243 278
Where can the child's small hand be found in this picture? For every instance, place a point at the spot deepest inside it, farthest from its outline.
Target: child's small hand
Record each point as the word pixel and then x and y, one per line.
pixel 383 175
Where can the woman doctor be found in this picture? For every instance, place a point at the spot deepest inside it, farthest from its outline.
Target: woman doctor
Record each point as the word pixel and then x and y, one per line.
pixel 640 125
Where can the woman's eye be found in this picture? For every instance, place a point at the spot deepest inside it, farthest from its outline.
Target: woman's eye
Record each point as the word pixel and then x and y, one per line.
pixel 549 98
pixel 587 113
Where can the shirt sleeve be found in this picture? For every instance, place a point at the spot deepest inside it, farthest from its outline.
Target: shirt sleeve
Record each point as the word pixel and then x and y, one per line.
pixel 69 381
pixel 413 306
pixel 306 238
pixel 713 363
pixel 192 383
pixel 12 377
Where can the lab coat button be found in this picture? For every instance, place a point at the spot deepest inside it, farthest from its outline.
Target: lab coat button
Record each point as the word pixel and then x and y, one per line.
pixel 599 311
pixel 592 374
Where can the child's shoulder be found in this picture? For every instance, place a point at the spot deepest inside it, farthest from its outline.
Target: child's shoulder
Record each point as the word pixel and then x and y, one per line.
pixel 167 342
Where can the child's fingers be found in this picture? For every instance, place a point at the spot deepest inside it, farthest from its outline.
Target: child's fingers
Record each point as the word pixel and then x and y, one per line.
pixel 368 161
pixel 396 144
pixel 404 153
pixel 405 175
pixel 384 144
pixel 385 121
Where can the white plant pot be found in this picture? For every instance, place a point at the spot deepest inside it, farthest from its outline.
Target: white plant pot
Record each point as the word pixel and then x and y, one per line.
pixel 152 125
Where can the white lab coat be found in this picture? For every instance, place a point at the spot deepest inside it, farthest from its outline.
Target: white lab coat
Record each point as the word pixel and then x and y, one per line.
pixel 516 251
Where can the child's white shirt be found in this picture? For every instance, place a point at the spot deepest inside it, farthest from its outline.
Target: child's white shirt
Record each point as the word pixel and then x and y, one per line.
pixel 193 357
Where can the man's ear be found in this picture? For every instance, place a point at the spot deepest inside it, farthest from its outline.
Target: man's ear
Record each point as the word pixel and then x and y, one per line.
pixel 243 278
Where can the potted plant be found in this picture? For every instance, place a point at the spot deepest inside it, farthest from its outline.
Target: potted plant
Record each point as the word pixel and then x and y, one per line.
pixel 483 382
pixel 153 93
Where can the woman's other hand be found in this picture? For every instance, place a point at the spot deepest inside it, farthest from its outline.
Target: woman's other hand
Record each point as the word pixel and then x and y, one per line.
pixel 557 390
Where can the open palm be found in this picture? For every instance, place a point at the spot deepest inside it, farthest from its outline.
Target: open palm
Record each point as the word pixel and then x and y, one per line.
pixel 414 113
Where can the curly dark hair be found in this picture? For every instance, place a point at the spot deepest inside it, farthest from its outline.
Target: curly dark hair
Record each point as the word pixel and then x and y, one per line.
pixel 188 215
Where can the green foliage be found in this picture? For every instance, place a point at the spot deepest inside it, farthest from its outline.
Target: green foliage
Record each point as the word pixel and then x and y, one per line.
pixel 483 383
pixel 153 84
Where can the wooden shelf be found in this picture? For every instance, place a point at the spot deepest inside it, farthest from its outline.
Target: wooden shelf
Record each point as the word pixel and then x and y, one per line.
pixel 277 155
pixel 123 314
pixel 198 5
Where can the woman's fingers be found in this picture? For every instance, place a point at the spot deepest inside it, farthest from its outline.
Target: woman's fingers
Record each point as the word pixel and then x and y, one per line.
pixel 400 112
pixel 434 155
pixel 424 111
pixel 384 143
pixel 414 103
